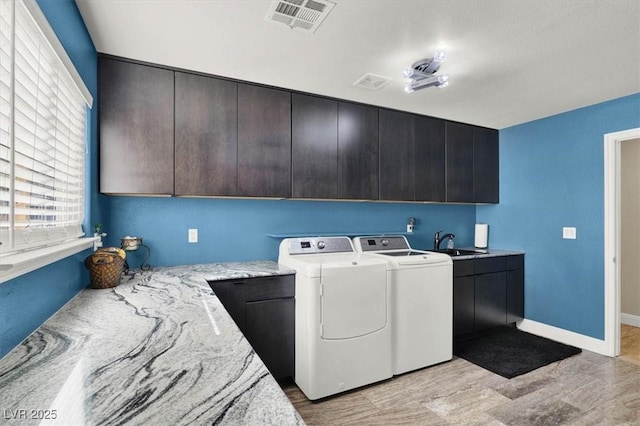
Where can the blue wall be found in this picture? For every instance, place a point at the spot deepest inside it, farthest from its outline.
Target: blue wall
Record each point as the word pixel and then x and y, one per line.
pixel 237 229
pixel 27 301
pixel 552 175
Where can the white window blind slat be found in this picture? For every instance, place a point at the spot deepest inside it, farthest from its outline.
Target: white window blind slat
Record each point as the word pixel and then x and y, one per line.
pixel 35 183
pixel 42 124
pixel 6 89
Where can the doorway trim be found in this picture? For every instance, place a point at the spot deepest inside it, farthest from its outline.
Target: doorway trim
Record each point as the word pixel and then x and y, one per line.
pixel 612 176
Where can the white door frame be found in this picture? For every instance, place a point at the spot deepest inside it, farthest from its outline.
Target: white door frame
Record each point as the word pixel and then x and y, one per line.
pixel 612 142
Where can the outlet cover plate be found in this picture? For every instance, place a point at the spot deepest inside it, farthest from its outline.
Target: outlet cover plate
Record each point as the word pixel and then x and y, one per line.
pixel 569 233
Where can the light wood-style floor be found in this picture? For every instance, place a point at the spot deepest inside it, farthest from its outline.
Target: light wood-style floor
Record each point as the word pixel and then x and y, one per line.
pixel 586 389
pixel 630 343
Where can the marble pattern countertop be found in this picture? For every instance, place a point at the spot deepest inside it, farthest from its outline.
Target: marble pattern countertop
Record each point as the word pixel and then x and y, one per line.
pixel 158 349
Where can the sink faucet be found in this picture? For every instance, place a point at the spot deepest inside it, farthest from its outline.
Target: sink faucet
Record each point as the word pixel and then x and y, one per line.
pixel 437 239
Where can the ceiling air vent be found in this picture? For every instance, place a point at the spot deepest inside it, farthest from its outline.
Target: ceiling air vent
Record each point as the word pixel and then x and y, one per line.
pixel 372 81
pixel 303 14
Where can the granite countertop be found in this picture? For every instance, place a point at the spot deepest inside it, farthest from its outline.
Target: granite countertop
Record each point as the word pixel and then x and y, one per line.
pixel 158 349
pixel 488 252
pixel 482 253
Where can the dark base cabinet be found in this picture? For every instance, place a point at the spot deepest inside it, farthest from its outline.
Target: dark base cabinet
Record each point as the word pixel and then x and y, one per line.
pixel 487 292
pixel 264 310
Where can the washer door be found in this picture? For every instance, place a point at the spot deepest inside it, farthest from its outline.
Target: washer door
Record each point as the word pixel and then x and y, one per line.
pixel 353 299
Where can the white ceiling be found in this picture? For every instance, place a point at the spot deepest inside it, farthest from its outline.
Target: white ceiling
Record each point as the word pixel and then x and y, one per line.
pixel 508 61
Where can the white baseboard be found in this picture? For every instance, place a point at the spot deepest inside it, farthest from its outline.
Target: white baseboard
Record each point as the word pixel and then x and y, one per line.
pixel 629 319
pixel 564 336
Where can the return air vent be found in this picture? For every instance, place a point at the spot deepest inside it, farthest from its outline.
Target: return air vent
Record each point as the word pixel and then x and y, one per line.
pixel 372 81
pixel 303 14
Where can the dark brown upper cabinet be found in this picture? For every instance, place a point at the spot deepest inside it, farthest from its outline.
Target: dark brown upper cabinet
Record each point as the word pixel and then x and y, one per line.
pixel 314 147
pixel 206 138
pixel 412 157
pixel 165 132
pixel 486 170
pixel 264 142
pixel 357 151
pixel 459 169
pixel 136 128
pixel 397 155
pixel 429 166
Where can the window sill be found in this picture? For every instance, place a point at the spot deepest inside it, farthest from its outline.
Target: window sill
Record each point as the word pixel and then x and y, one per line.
pixel 15 264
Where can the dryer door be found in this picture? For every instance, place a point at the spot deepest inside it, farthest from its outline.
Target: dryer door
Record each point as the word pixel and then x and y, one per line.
pixel 354 299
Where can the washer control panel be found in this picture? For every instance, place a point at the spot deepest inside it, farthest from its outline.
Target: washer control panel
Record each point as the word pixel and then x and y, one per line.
pixel 309 245
pixel 383 242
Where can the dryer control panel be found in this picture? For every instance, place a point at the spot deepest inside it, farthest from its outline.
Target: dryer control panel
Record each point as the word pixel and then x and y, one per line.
pixel 313 245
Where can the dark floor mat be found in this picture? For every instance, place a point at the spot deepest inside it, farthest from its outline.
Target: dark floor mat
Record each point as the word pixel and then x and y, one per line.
pixel 510 352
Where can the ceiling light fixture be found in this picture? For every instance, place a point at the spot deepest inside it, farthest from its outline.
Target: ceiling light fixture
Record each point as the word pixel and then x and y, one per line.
pixel 422 73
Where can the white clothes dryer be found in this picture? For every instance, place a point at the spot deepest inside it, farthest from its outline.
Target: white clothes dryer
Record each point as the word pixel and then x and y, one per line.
pixel 343 330
pixel 422 301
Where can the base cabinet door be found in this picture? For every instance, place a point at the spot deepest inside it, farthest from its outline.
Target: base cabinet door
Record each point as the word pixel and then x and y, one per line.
pixel 515 288
pixel 231 295
pixel 268 329
pixel 515 296
pixel 264 310
pixel 490 300
pixel 463 306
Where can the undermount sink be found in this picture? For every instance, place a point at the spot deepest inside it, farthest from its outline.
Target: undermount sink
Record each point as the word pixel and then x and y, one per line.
pixel 461 252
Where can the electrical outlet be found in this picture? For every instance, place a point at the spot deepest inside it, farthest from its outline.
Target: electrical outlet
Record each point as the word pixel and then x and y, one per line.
pixel 193 235
pixel 569 233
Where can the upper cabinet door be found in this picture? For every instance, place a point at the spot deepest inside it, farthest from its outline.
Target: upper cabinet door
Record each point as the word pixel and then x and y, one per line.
pixel 136 128
pixel 397 152
pixel 357 151
pixel 206 135
pixel 459 153
pixel 314 147
pixel 430 159
pixel 264 142
pixel 486 170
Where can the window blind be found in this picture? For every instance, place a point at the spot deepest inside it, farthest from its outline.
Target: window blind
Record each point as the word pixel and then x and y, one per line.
pixel 42 126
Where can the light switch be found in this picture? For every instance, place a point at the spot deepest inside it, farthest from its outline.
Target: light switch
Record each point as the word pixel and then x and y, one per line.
pixel 569 233
pixel 193 235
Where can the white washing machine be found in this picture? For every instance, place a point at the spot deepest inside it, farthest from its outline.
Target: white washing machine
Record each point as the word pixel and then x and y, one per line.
pixel 422 301
pixel 343 330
